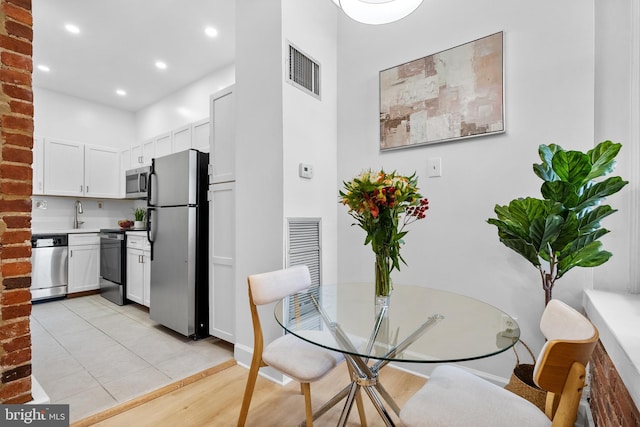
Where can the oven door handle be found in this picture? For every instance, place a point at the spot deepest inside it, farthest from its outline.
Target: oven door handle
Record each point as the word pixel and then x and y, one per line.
pixel 111 236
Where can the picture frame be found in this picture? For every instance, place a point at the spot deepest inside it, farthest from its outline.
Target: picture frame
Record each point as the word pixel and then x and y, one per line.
pixel 454 94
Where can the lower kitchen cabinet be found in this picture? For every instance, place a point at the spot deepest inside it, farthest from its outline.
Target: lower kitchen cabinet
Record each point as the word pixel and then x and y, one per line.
pixel 84 262
pixel 138 269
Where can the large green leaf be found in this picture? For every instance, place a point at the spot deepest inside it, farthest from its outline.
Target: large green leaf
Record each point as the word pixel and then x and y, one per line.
pixel 603 158
pixel 524 211
pixel 594 193
pixel 545 230
pixel 582 241
pixel 571 166
pixel 568 232
pixel 523 248
pixel 560 191
pixel 591 219
pixel 589 256
pixel 544 170
pixel 509 229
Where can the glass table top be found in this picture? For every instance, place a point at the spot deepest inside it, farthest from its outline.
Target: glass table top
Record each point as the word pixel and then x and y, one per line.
pixel 419 324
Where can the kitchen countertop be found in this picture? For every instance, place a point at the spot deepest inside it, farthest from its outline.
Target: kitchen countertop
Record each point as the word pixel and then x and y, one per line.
pixel 66 231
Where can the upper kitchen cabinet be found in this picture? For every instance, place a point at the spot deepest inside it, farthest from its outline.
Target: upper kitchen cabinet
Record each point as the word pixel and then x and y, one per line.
pixel 163 146
pixel 182 139
pixel 63 168
pixel 200 135
pixel 141 154
pixel 102 172
pixel 79 170
pixel 222 141
pixel 38 165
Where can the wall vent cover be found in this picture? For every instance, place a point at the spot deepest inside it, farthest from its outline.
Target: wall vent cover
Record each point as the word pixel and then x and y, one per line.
pixel 304 72
pixel 304 248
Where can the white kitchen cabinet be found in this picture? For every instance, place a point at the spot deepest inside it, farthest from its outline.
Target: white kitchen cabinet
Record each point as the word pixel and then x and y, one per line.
pixel 136 158
pixel 141 154
pixel 38 165
pixel 125 165
pixel 163 146
pixel 101 172
pixel 222 264
pixel 138 269
pixel 200 135
pixel 84 262
pixel 63 168
pixel 80 170
pixel 223 136
pixel 182 139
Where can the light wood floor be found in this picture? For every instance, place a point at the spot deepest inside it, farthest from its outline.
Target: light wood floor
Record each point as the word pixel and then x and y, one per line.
pixel 215 401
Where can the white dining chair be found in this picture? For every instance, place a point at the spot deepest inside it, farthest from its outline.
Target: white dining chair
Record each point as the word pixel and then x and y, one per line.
pixel 294 357
pixel 453 397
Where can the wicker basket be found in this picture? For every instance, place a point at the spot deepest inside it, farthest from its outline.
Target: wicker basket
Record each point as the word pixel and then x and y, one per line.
pixel 521 382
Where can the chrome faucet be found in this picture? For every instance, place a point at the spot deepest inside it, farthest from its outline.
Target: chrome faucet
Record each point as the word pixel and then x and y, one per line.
pixel 77 210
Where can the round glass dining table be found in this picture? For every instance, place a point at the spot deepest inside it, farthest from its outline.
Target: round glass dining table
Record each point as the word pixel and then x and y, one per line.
pixel 416 324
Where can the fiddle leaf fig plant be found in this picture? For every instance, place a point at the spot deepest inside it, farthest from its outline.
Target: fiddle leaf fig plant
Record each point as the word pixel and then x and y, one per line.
pixel 561 230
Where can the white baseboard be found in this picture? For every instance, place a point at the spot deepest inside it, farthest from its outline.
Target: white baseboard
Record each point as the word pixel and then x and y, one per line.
pixel 38 394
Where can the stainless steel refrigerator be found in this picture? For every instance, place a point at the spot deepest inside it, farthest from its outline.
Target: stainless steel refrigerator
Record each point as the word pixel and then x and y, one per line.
pixel 177 215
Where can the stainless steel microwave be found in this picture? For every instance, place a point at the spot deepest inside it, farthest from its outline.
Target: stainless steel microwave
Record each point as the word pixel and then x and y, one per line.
pixel 137 182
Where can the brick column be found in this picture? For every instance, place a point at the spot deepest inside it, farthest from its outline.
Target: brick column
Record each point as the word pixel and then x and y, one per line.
pixel 611 403
pixel 16 137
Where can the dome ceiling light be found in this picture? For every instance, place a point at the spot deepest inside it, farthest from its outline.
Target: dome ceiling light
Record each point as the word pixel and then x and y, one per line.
pixel 377 11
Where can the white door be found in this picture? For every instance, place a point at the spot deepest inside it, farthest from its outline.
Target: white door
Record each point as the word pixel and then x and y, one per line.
pixel 182 139
pixel 200 135
pixel 148 152
pixel 38 165
pixel 222 141
pixel 102 172
pixel 84 268
pixel 63 168
pixel 135 275
pixel 163 147
pixel 222 265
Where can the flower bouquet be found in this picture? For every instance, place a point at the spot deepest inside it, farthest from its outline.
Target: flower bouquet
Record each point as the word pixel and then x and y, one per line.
pixel 378 200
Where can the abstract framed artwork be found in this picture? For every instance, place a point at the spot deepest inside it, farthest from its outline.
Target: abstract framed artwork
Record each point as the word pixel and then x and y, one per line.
pixel 453 94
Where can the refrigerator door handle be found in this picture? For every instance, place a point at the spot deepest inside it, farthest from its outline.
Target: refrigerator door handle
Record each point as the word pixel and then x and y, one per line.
pixel 152 174
pixel 150 230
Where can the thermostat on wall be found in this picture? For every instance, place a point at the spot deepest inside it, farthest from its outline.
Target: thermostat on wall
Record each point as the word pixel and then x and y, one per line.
pixel 305 171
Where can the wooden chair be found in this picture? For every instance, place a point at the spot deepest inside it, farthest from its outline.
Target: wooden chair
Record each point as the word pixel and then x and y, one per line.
pixel 454 397
pixel 297 359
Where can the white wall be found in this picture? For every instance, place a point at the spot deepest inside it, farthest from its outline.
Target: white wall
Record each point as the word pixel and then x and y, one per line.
pixel 67 117
pixel 549 96
pixel 51 213
pixel 259 159
pixel 613 120
pixel 310 133
pixel 187 105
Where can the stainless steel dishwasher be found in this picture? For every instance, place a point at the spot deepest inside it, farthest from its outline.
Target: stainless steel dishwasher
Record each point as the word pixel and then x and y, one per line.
pixel 49 260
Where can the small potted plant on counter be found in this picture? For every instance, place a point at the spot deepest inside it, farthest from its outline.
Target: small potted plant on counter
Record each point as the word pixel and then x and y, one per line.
pixel 138 215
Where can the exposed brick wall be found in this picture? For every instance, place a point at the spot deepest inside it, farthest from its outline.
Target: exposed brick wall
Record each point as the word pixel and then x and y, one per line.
pixel 611 403
pixel 16 137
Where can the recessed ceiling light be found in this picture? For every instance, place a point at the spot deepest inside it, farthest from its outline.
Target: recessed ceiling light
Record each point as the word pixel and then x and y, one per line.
pixel 211 32
pixel 161 65
pixel 44 68
pixel 72 28
pixel 121 92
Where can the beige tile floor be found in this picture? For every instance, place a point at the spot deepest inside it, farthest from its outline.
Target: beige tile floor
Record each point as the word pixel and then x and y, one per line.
pixel 93 354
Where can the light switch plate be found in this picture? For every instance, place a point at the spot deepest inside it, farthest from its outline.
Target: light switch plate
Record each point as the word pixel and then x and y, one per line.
pixel 305 171
pixel 434 167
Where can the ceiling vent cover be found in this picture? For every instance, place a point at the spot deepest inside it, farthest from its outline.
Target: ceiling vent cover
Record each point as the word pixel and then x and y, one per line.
pixel 304 72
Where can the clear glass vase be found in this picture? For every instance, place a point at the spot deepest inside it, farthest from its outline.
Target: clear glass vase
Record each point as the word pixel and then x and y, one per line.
pixel 383 277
